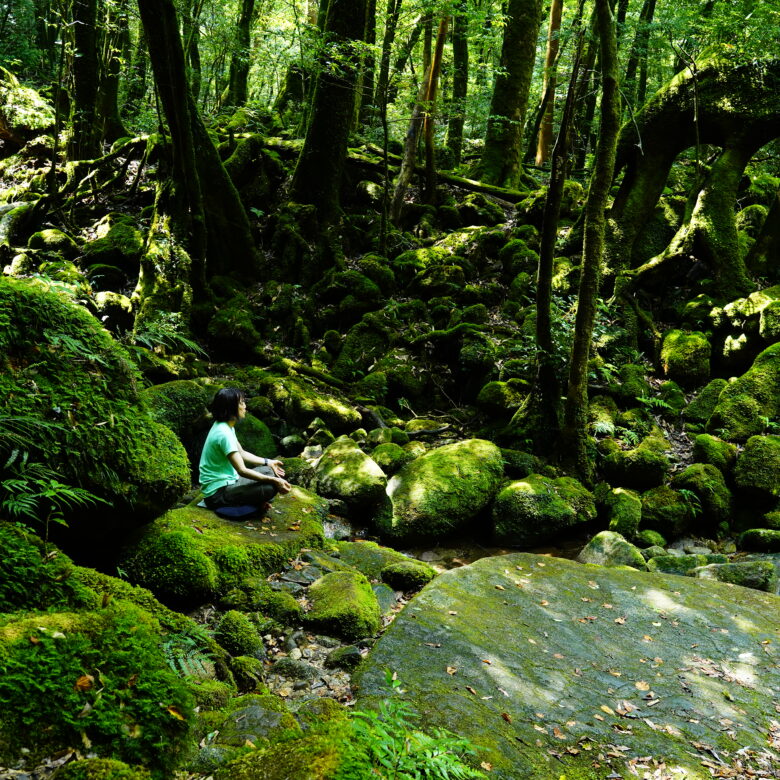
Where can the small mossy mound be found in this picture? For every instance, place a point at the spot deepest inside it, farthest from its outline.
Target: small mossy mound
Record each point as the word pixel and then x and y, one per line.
pixel 760 540
pixel 683 564
pixel 537 509
pixel 345 472
pixel 744 406
pixel 624 510
pixel 707 483
pixel 23 112
pixel 667 511
pixel 759 575
pixel 278 605
pixel 642 467
pixel 648 537
pixel 758 467
pixel 237 635
pixel 501 397
pixel 95 677
pixel 407 575
pixel 710 449
pixel 101 769
pixel 438 493
pixel 609 548
pixel 54 240
pixel 190 555
pixel 181 405
pixel 79 392
pixel 343 605
pixel 685 357
pixel 390 457
pixel 769 323
pixel 256 437
pixel 118 243
pixel 259 719
pixel 700 409
pixel 369 558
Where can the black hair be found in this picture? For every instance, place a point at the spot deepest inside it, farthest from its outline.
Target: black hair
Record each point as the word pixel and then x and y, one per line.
pixel 224 407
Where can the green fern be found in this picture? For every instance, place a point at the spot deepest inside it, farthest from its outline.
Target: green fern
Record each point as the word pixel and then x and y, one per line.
pixel 692 501
pixel 603 428
pixel 165 332
pixel 655 404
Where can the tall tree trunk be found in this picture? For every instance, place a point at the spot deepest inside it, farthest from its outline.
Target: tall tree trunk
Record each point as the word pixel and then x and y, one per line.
pixel 574 436
pixel 191 33
pixel 500 163
pixel 637 60
pixel 318 173
pixel 391 25
pixel 460 80
pixel 239 60
pixel 366 110
pixel 764 255
pixel 85 138
pixel 586 89
pixel 136 76
pixel 115 44
pixel 430 111
pixel 550 77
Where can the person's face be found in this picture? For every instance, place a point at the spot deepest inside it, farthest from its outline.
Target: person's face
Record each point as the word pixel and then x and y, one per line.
pixel 242 409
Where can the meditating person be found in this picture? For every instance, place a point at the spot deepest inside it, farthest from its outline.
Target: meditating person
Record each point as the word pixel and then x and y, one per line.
pixel 229 475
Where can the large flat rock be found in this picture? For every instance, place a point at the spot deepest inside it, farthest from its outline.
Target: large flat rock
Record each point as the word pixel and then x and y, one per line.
pixel 558 669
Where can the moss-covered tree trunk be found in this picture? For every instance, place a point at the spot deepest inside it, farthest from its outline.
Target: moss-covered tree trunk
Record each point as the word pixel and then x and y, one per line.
pixel 500 163
pixel 544 141
pixel 318 173
pixel 115 45
pixel 460 81
pixel 366 110
pixel 764 255
pixel 574 438
pixel 84 141
pixel 239 60
pixel 429 123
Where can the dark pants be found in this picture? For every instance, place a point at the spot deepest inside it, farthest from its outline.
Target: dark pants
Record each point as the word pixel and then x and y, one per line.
pixel 244 492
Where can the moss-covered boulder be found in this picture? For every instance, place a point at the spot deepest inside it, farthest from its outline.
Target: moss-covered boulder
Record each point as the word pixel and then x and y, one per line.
pixel 237 635
pixel 745 406
pixel 343 605
pixel 54 240
pixel 769 323
pixel 707 483
pixel 78 392
pixel 683 564
pixel 501 397
pixel 760 575
pixel 23 112
pixel 685 357
pixel 609 548
pixel 710 449
pixel 641 467
pixel 520 653
pixel 190 555
pixel 667 511
pixel 101 769
pixel 758 467
pixel 624 510
pixel 537 509
pixel 407 575
pixel 345 472
pixel 390 457
pixel 760 540
pixel 369 558
pixel 700 409
pixel 118 242
pixel 92 677
pixel 438 493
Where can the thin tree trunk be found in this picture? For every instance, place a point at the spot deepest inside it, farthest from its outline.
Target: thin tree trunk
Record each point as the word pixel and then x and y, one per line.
pixel 460 81
pixel 500 163
pixel 366 109
pixel 391 25
pixel 637 59
pixel 85 138
pixel 136 76
pixel 550 78
pixel 239 61
pixel 574 434
pixel 115 44
pixel 430 111
pixel 403 58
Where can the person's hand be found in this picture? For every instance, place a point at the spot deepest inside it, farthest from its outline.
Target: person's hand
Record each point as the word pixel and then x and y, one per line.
pixel 284 485
pixel 276 467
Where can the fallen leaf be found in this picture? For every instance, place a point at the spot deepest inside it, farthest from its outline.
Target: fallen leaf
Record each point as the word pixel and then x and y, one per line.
pixel 544 603
pixel 541 564
pixel 532 641
pixel 84 683
pixel 488 767
pixel 558 734
pixel 471 690
pixel 593 585
pixel 506 716
pixel 641 685
pixel 647 638
pixel 500 587
pixel 621 621
pixel 606 709
pixel 487 661
pixel 432 644
pixel 607 606
pixel 451 670
pixel 453 612
pixel 598 717
pixel 540 728
pixel 249 744
pixel 175 712
pixel 558 655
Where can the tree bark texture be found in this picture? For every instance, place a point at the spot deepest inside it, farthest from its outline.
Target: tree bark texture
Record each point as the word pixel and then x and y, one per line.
pixel 500 163
pixel 239 61
pixel 391 25
pixel 634 88
pixel 114 46
pixel 85 139
pixel 429 121
pixel 460 81
pixel 366 107
pixel 550 77
pixel 574 437
pixel 318 173
pixel 764 256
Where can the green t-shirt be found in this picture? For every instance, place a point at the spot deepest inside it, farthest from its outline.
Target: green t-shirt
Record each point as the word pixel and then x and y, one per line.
pixel 216 470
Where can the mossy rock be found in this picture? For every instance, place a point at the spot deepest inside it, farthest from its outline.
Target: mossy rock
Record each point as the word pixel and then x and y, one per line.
pixel 440 492
pixel 642 467
pixel 518 464
pixel 438 280
pixel 708 484
pixel 685 357
pixel 760 539
pixel 369 558
pixel 409 575
pixel 478 209
pixel 760 575
pixel 402 373
pixel 683 564
pixel 257 719
pixel 345 472
pixel 255 436
pixel 211 695
pixel 390 457
pixel 666 510
pixel 501 397
pixel 758 467
pixel 537 509
pixel 101 769
pixel 408 264
pixel 624 510
pixel 343 605
pixel 769 323
pixel 182 405
pixel 237 635
pixel 278 605
pixel 563 647
pixel 190 555
pixel 86 410
pixel 700 409
pixel 54 240
pixel 118 243
pixel 232 328
pixel 632 384
pixel 747 403
pixel 106 665
pixel 517 257
pixel 609 548
pixel 650 538
pixel 23 112
pixel 710 449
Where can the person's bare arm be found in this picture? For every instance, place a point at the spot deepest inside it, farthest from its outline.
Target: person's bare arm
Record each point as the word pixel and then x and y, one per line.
pixel 256 460
pixel 240 465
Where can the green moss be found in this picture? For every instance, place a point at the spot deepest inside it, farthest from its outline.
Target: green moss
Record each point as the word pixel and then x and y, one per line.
pixel 345 472
pixel 343 604
pixel 180 404
pixel 700 409
pixel 404 377
pixel 536 509
pixel 53 240
pixel 249 673
pixel 769 323
pixel 100 769
pixel 747 403
pixel 237 635
pixel 707 482
pixel 609 548
pixel 96 676
pixel 211 695
pixel 256 437
pixel 759 575
pixel 119 243
pixel 643 466
pixel 442 490
pixel 408 575
pixel 278 605
pixel 624 510
pixel 681 564
pixel 758 467
pixel 438 280
pixel 685 357
pixel 369 558
pixel 517 257
pixel 666 511
pixel 390 457
pixel 232 327
pixel 648 537
pixel 23 107
pixel 501 397
pixel 760 539
pixel 719 453
pixel 633 383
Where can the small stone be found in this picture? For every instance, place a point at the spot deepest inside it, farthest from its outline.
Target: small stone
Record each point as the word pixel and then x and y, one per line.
pixel 296 654
pixel 347 657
